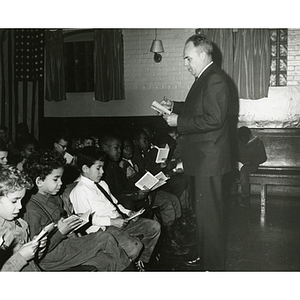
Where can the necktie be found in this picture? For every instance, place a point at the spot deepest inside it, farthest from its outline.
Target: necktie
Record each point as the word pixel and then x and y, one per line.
pixel 108 197
pixel 18 223
pixel 133 165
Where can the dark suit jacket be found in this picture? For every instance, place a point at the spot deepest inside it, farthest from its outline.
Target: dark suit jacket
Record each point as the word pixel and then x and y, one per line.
pixel 202 125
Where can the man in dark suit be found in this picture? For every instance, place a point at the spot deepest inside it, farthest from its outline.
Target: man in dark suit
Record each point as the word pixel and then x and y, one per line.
pixel 204 146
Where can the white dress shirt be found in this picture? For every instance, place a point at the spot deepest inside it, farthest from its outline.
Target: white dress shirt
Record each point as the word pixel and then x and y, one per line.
pixel 86 196
pixel 204 69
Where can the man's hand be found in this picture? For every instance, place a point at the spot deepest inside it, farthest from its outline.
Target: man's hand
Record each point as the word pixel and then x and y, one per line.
pixel 171 119
pixel 167 103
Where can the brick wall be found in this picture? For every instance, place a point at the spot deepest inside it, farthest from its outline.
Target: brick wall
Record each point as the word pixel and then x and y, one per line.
pixel 293 74
pixel 142 73
pixel 146 81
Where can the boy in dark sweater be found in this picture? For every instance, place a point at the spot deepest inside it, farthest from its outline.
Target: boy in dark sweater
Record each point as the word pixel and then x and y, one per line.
pixel 128 195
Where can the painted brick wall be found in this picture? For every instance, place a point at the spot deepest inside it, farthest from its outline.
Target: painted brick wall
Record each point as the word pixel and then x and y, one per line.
pixel 293 57
pixel 146 81
pixel 142 73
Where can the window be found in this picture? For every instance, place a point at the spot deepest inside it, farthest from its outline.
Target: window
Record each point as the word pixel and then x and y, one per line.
pixel 279 38
pixel 79 66
pixel 79 62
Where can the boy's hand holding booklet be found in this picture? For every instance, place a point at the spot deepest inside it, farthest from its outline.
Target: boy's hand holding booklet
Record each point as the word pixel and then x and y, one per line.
pixel 84 218
pixel 46 230
pixel 151 182
pixel 135 214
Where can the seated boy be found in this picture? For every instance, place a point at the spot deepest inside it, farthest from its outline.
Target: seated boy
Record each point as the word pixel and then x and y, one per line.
pixel 3 153
pixel 87 140
pixel 123 189
pixel 170 206
pixel 178 183
pixel 65 249
pixel 27 147
pixel 10 145
pixel 93 193
pixel 251 153
pixel 131 169
pixel 17 252
pixel 61 145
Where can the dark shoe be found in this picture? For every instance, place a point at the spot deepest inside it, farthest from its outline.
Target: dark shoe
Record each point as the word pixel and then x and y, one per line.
pixel 192 262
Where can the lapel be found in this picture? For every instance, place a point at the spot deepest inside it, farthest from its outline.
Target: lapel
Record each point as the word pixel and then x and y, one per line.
pixel 199 80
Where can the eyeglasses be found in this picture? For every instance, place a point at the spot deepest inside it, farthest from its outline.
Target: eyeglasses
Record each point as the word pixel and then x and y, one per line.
pixel 63 146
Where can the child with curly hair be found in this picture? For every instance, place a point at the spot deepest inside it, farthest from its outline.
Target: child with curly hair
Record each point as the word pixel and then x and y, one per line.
pixel 65 249
pixel 17 252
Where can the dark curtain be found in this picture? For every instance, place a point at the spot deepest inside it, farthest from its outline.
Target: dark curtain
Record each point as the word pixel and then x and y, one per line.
pixel 245 55
pixel 252 63
pixel 223 48
pixel 109 65
pixel 21 69
pixel 55 70
pixel 9 112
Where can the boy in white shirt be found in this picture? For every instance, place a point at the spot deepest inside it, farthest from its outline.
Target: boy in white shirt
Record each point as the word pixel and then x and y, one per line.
pixel 93 193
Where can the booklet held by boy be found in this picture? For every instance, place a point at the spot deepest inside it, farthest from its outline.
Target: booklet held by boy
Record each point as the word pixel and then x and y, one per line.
pixel 151 182
pixel 85 217
pixel 162 154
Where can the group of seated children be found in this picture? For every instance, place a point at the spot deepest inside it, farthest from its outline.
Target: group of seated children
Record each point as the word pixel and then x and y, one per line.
pixel 103 177
pixel 114 239
pixel 98 177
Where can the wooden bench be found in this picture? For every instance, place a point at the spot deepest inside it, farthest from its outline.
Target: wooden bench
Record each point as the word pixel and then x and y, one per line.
pixel 282 167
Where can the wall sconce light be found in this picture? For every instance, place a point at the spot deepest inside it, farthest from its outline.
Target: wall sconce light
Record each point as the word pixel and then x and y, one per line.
pixel 157 47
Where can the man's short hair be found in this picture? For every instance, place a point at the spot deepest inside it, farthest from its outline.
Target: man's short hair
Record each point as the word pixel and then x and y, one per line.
pixel 201 41
pixel 12 180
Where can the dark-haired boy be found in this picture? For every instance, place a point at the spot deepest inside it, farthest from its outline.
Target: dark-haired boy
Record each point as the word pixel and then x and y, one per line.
pixel 65 249
pixel 93 193
pixel 170 206
pixel 123 189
